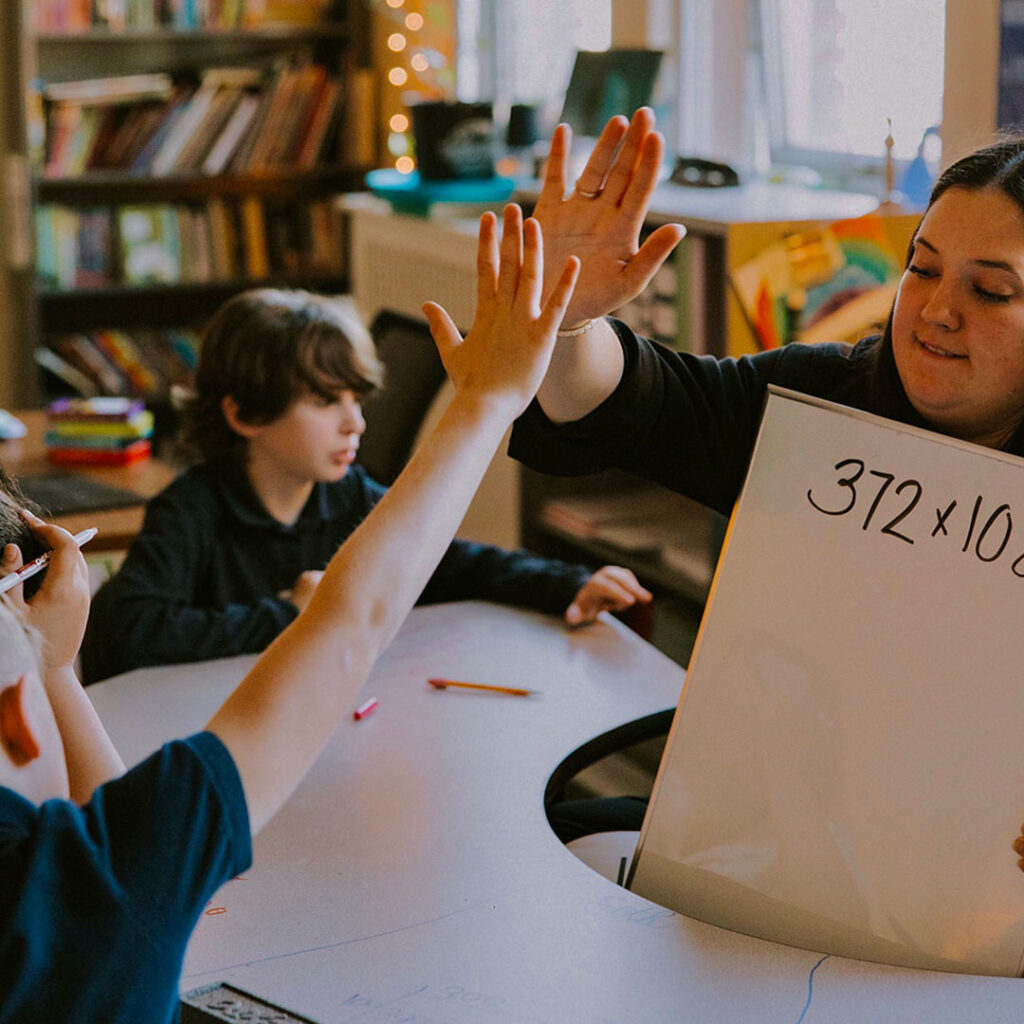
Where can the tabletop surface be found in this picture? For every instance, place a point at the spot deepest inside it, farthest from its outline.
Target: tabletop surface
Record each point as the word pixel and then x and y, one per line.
pixel 413 876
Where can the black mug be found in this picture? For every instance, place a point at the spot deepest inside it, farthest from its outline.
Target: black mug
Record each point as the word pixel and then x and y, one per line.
pixel 454 140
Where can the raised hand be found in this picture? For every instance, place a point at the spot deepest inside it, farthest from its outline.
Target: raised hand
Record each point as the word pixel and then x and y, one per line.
pixel 601 219
pixel 506 352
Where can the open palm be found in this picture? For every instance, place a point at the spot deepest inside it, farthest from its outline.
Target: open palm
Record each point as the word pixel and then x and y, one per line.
pixel 601 219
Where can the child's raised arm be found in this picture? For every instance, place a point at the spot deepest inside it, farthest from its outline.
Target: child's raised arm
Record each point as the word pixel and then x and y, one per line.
pixel 278 720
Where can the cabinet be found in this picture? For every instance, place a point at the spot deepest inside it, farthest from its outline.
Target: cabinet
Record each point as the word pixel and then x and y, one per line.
pixel 138 238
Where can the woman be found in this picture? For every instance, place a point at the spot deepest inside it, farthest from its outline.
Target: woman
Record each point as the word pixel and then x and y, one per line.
pixel 950 358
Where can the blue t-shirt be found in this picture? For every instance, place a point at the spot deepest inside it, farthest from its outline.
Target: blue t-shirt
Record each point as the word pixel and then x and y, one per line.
pixel 97 903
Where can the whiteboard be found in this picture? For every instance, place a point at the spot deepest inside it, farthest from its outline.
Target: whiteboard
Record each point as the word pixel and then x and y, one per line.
pixel 844 770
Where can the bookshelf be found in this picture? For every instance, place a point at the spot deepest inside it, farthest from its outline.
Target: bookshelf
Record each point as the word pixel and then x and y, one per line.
pixel 174 154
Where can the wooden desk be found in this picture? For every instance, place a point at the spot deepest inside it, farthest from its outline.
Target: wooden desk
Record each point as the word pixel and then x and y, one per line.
pixel 117 527
pixel 413 876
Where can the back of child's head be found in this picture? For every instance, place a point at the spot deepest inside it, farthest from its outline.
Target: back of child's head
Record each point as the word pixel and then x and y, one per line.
pixel 12 527
pixel 266 348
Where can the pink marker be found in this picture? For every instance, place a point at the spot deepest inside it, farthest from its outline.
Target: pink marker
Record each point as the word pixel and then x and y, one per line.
pixel 365 709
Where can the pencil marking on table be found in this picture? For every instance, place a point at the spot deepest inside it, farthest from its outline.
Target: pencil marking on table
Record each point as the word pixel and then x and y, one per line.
pixel 810 989
pixel 221 968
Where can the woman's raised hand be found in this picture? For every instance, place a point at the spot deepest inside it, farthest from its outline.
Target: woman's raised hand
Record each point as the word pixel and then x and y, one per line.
pixel 601 218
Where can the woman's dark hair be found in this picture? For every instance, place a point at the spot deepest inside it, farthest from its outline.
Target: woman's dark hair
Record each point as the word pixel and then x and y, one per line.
pixel 266 348
pixel 1001 166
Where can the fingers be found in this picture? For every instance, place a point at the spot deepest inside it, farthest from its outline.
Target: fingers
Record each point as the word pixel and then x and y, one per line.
pixel 558 301
pixel 1018 848
pixel 643 177
pixel 553 189
pixel 593 175
pixel 442 329
pixel 64 551
pixel 486 259
pixel 511 250
pixel 651 255
pixel 531 275
pixel 611 588
pixel 11 559
pixel 621 173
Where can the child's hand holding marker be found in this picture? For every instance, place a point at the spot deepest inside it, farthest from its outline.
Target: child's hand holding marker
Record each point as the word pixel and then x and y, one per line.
pixel 60 608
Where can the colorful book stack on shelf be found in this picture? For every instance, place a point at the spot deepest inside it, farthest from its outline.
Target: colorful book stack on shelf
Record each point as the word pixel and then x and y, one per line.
pixel 103 431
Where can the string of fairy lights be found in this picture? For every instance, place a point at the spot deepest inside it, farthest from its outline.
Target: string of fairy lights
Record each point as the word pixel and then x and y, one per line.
pixel 420 66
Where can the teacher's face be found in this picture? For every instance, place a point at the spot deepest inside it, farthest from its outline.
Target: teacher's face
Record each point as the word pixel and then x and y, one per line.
pixel 958 323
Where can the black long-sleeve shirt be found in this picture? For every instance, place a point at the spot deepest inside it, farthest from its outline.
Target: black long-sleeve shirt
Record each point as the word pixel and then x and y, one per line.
pixel 690 422
pixel 201 579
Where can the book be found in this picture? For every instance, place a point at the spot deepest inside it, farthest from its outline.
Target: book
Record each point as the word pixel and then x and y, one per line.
pixel 173 111
pixel 224 146
pixel 320 123
pixel 81 352
pixel 205 133
pixel 138 426
pixel 271 129
pixel 118 347
pixel 223 240
pixel 254 232
pixel 174 142
pixel 93 265
pixel 149 244
pixel 114 409
pixel 116 89
pixel 295 123
pixel 64 371
pixel 64 456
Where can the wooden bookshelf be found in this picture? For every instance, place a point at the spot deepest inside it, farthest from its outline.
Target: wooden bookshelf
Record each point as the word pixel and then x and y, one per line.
pixel 273 207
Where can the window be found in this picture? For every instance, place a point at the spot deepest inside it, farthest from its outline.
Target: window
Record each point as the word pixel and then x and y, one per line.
pixel 837 71
pixel 523 52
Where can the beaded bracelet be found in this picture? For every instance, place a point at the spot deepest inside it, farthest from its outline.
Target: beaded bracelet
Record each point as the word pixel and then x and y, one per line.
pixel 575 332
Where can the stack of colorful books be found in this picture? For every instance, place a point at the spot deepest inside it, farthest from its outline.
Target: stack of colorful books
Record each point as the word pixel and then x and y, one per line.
pixel 102 431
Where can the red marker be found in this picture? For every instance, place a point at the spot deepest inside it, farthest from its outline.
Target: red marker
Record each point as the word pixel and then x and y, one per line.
pixel 365 709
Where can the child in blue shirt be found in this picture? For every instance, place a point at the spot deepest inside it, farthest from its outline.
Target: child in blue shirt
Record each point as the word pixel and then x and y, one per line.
pixel 234 548
pixel 103 873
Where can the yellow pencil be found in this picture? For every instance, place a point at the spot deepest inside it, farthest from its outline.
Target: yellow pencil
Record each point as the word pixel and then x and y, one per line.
pixel 513 691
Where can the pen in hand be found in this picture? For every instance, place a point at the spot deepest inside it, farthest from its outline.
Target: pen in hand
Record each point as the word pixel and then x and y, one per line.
pixel 37 565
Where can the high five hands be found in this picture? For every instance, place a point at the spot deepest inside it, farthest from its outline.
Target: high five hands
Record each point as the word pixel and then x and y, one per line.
pixel 601 218
pixel 506 353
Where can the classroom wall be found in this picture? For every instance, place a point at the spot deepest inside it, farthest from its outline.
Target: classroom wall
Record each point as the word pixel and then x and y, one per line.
pixel 970 94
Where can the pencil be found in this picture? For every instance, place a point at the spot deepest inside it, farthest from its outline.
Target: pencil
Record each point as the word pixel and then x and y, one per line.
pixel 512 691
pixel 29 569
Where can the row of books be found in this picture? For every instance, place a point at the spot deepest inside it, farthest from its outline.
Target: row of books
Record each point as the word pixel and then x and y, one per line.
pixel 98 431
pixel 161 243
pixel 146 363
pixel 236 120
pixel 121 15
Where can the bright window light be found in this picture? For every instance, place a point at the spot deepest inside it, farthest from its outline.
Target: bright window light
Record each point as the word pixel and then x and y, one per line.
pixel 523 52
pixel 837 71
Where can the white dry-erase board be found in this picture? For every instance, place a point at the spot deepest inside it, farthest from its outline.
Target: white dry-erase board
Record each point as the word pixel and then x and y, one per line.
pixel 845 770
